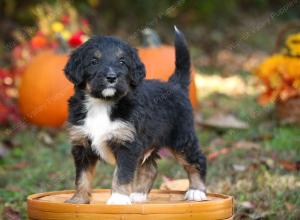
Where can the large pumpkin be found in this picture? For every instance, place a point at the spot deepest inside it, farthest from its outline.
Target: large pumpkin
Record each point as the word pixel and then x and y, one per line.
pixel 159 60
pixel 160 64
pixel 44 90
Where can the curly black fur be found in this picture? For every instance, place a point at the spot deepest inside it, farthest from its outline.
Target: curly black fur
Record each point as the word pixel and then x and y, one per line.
pixel 160 112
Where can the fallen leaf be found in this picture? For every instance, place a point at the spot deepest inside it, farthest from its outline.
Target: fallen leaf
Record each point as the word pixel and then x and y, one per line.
pixel 198 118
pixel 247 205
pixel 11 214
pixel 45 138
pixel 20 165
pixel 290 206
pixel 221 120
pixel 270 162
pixel 215 154
pixel 239 167
pixel 247 145
pixel 290 166
pixel 166 179
pixel 180 184
pixel 13 188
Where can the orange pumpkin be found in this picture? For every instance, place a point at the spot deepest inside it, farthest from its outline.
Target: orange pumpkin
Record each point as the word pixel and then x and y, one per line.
pixel 159 60
pixel 44 90
pixel 160 64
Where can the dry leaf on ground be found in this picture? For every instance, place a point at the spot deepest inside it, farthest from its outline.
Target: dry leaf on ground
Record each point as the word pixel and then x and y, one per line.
pixel 215 154
pixel 290 165
pixel 11 214
pixel 180 184
pixel 221 120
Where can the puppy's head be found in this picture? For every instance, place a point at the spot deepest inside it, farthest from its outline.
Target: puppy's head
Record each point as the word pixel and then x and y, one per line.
pixel 105 67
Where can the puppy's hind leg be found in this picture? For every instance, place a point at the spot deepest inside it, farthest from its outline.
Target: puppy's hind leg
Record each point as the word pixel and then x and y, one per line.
pixel 85 162
pixel 194 162
pixel 144 179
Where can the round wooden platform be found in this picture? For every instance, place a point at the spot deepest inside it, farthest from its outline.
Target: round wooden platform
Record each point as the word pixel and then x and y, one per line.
pixel 161 205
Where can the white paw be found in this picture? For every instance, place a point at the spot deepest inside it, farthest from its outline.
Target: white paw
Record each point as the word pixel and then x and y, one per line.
pixel 195 195
pixel 118 199
pixel 138 197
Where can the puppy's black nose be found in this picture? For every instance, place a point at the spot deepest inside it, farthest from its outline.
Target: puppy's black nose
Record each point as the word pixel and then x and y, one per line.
pixel 111 77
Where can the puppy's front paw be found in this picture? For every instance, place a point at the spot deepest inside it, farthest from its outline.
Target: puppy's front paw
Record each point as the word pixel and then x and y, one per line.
pixel 77 199
pixel 195 195
pixel 138 197
pixel 118 199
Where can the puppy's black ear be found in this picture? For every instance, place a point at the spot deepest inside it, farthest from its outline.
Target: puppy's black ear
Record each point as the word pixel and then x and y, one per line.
pixel 138 72
pixel 73 69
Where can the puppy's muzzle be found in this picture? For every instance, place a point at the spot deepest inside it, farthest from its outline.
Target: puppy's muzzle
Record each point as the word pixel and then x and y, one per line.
pixel 111 77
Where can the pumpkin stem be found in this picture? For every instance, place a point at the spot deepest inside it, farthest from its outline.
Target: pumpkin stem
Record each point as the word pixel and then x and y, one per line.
pixel 63 46
pixel 150 38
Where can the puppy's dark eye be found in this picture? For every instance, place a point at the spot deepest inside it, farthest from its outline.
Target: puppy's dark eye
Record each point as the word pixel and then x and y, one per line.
pixel 94 61
pixel 122 61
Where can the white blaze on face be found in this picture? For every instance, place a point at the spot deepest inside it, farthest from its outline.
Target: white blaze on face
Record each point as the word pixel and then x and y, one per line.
pixel 108 92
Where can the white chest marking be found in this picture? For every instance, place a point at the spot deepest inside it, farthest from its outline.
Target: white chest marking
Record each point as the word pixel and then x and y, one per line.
pixel 99 128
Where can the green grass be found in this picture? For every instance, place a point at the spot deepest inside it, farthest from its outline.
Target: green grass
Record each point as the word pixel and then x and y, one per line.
pixel 286 138
pixel 264 183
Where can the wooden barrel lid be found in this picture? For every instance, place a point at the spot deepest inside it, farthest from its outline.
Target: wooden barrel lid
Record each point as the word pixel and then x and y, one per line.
pixel 162 204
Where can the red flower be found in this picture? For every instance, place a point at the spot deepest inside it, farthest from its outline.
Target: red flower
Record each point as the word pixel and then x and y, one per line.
pixel 76 39
pixel 3 113
pixel 8 106
pixel 65 19
pixel 85 22
pixel 17 52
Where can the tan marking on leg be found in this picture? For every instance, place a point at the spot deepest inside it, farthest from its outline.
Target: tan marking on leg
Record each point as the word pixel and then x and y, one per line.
pixel 120 192
pixel 120 188
pixel 144 177
pixel 83 187
pixel 195 180
pixel 85 181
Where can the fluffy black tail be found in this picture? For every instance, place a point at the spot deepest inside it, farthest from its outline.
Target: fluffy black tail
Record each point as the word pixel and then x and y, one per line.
pixel 182 72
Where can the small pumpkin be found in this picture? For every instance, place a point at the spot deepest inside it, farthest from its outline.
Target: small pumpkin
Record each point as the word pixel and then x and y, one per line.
pixel 159 60
pixel 44 90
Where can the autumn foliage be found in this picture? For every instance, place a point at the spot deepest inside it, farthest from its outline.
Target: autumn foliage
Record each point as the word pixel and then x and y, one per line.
pixel 280 73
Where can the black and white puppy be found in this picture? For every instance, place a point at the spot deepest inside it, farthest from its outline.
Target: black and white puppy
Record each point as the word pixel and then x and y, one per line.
pixel 120 118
